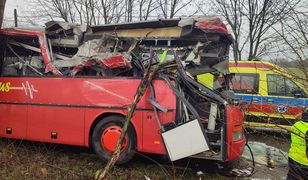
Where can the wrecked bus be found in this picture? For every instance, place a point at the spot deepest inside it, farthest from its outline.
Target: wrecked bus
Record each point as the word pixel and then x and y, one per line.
pixel 73 84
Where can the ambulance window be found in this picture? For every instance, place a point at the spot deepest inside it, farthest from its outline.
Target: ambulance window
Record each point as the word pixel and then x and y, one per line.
pixel 280 85
pixel 276 85
pixel 290 87
pixel 245 83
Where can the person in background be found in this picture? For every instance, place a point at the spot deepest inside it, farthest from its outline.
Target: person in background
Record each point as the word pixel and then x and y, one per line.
pixel 298 154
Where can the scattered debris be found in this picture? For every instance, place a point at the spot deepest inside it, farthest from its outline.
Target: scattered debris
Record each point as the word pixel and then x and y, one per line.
pixel 44 171
pixel 200 174
pixel 266 155
pixel 65 34
pixel 146 177
pixel 241 172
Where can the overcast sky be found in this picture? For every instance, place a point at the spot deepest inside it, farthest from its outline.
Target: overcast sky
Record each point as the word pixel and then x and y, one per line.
pixel 10 5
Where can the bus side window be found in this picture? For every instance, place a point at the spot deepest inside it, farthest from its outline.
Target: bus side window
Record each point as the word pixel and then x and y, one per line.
pixel 246 83
pixel 19 61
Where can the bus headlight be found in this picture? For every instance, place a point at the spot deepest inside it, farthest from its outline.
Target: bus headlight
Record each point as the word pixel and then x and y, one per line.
pixel 237 133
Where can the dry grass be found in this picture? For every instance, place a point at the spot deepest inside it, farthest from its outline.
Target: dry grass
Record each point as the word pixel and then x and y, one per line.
pixel 29 160
pixel 33 160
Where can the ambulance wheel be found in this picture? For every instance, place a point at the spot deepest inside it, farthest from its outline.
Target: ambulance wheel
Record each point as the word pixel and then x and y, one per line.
pixel 105 137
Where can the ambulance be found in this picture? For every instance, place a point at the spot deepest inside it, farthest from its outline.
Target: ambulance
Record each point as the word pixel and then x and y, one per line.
pixel 273 98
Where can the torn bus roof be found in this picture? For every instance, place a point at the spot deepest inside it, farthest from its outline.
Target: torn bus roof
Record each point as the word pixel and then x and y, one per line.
pixel 172 28
pixel 201 43
pixel 210 23
pixel 160 23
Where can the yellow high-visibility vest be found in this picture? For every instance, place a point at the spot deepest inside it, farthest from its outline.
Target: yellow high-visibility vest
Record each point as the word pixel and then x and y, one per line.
pixel 298 143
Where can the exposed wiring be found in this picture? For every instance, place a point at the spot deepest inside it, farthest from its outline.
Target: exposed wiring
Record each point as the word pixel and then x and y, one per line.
pixel 252 158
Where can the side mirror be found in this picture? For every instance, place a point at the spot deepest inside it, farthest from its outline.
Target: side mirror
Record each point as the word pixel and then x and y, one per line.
pixel 298 93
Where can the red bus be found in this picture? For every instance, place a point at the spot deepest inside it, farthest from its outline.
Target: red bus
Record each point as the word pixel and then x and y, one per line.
pixel 46 96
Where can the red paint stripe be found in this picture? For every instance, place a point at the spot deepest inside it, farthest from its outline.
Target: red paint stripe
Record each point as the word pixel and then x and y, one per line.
pixel 18 32
pixel 292 110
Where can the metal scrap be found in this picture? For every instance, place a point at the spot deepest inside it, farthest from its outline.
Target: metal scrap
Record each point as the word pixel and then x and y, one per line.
pixel 266 155
pixel 65 34
pixel 105 61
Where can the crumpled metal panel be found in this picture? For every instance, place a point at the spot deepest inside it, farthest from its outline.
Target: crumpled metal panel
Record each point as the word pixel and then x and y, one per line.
pixel 105 61
pixel 91 48
pixel 212 23
pixel 65 34
pixel 112 62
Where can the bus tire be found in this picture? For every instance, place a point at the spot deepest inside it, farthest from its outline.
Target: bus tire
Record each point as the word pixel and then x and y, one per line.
pixel 105 137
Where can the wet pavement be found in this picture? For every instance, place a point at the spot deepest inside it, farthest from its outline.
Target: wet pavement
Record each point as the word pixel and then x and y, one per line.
pixel 270 152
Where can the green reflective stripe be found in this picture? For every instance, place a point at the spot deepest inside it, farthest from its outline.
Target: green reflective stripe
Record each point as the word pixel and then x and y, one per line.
pixel 298 144
pixel 163 57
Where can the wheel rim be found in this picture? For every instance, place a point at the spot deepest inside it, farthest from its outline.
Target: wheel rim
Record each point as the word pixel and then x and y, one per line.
pixel 110 139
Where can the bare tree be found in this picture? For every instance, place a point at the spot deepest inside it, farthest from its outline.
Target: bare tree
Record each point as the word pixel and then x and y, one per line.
pixel 93 12
pixel 171 8
pixel 113 10
pixel 55 9
pixel 257 17
pixel 90 12
pixel 2 6
pixel 129 10
pixel 146 7
pixel 293 44
pixel 79 11
pixel 262 15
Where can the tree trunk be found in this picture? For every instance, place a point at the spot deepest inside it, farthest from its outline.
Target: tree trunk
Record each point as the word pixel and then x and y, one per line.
pixel 2 6
pixel 149 74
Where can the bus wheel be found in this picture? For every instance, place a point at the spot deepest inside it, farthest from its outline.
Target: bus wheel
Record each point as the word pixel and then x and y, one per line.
pixel 105 137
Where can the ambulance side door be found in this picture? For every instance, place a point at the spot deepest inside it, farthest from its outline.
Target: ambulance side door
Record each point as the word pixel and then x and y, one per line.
pixel 281 101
